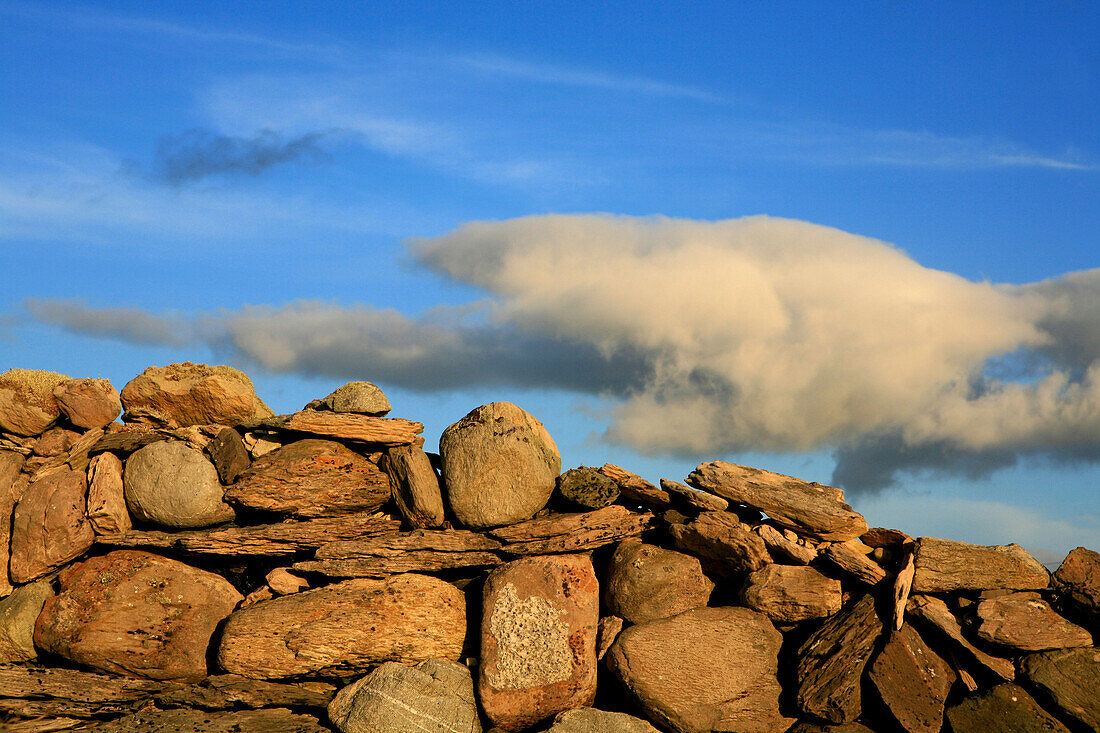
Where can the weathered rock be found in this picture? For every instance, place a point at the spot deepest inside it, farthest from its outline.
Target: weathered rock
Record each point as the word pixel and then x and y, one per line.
pixel 18 612
pixel 191 394
pixel 647 582
pixel 27 404
pixel 136 613
pixel 128 438
pixel 12 486
pixel 807 727
pixel 228 691
pixel 831 662
pixel 1025 621
pixel 694 498
pixel 30 691
pixel 499 465
pixel 935 612
pixel 106 497
pixel 273 720
pixel 436 696
pixel 346 628
pixel 173 485
pixel 606 633
pixel 417 551
pixel 791 593
pixel 311 478
pixel 903 586
pixel 362 398
pixel 1068 678
pixel 1077 581
pixel 49 526
pixel 55 441
pixel 849 556
pixel 708 669
pixel 781 547
pixel 573 532
pixel 633 487
pixel 88 403
pixel 282 582
pixel 538 639
pixel 720 536
pixel 913 681
pixel 414 485
pixel 808 508
pixel 591 720
pixel 882 537
pixel 345 426
pixel 943 566
pixel 229 455
pixel 1005 708
pixel 587 487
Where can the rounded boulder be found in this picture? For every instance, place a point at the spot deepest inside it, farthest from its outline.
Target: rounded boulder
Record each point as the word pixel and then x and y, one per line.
pixel 173 485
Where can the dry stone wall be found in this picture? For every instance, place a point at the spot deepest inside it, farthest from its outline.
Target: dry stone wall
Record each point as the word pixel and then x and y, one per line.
pixel 206 565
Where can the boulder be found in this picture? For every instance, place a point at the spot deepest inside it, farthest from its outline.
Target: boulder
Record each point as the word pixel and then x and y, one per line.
pixel 27 404
pixel 173 485
pixel 191 394
pixel 49 526
pixel 12 486
pixel 1077 580
pixel 88 403
pixel 362 398
pixel 106 497
pixel 944 566
pixel 708 669
pixel 282 582
pixel 538 639
pixel 591 720
pixel 720 536
pixel 435 695
pixel 136 613
pixel 346 628
pixel 55 442
pixel 311 478
pixel 1005 708
pixel 791 593
pixel 912 681
pixel 500 466
pixel 18 612
pixel 414 485
pixel 229 455
pixel 1025 621
pixel 1068 678
pixel 587 487
pixel 646 582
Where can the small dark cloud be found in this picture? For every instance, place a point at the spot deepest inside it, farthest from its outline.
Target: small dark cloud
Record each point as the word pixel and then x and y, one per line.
pixel 129 325
pixel 199 153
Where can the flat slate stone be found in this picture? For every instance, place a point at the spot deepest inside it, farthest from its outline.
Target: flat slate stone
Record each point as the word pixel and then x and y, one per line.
pixel 1025 621
pixel 591 720
pixel 633 487
pixel 935 612
pixel 720 536
pixel 274 720
pixel 1006 708
pixel 945 566
pixel 1070 678
pixel 414 485
pixel 229 455
pixel 913 681
pixel 572 532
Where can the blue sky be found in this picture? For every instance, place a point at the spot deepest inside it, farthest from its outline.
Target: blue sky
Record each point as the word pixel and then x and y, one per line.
pixel 291 190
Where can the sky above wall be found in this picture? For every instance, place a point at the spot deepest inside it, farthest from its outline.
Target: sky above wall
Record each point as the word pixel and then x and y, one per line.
pixel 856 244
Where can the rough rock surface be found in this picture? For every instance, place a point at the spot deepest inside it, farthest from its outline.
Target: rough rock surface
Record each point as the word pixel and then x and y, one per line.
pixel 538 639
pixel 229 455
pixel 18 612
pixel 27 404
pixel 311 478
pixel 106 496
pixel 191 394
pixel 1025 621
pixel 708 669
pixel 912 681
pixel 363 398
pixel 791 593
pixel 588 488
pixel 591 720
pixel 55 441
pixel 694 498
pixel 414 485
pixel 12 486
pixel 49 526
pixel 810 508
pixel 1078 580
pixel 272 720
pixel 135 613
pixel 346 627
pixel 435 696
pixel 1005 708
pixel 646 582
pixel 936 613
pixel 1069 678
pixel 572 531
pixel 88 403
pixel 944 566
pixel 173 485
pixel 720 536
pixel 421 550
pixel 500 465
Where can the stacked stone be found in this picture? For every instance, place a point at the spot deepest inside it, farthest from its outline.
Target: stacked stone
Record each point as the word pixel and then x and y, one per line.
pixel 206 565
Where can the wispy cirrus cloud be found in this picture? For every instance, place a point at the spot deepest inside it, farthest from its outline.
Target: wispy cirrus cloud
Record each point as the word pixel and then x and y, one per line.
pixel 199 153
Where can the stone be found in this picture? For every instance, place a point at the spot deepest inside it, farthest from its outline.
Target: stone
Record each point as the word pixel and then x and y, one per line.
pixel 346 628
pixel 421 550
pixel 311 478
pixel 272 720
pixel 49 526
pixel 903 586
pixel 362 398
pixel 606 633
pixel 1068 678
pixel 538 639
pixel 808 508
pixel 435 696
pixel 55 441
pixel 721 536
pixel 282 582
pixel 646 582
pixel 633 487
pixel 350 427
pixel 789 594
pixel 572 532
pixel 1005 708
pixel 106 497
pixel 18 612
pixel 1025 621
pixel 935 612
pixel 229 455
pixel 1077 581
pixel 882 537
pixel 831 661
pixel 945 566
pixel 88 403
pixel 587 487
pixel 137 614
pixel 781 547
pixel 191 394
pixel 171 484
pixel 694 498
pixel 852 558
pixel 708 669
pixel 27 404
pixel 127 439
pixel 414 485
pixel 12 486
pixel 500 466
pixel 807 727
pixel 591 720
pixel 912 681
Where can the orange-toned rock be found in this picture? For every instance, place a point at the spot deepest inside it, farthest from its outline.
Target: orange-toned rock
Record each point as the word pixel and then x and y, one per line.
pixel 88 403
pixel 191 394
pixel 12 485
pixel 106 499
pixel 49 526
pixel 646 582
pixel 27 404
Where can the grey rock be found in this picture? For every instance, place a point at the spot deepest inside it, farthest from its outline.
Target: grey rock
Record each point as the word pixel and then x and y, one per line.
pixel 944 566
pixel 1025 621
pixel 18 612
pixel 363 398
pixel 173 485
pixel 591 720
pixel 1068 677
pixel 647 582
pixel 1006 708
